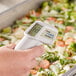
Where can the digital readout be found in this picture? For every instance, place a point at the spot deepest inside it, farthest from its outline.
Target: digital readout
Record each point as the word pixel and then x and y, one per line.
pixel 35 29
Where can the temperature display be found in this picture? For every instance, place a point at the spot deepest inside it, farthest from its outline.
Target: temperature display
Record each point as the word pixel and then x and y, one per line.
pixel 35 29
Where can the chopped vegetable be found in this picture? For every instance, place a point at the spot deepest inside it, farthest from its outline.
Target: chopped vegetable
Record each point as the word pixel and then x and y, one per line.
pixel 69 28
pixel 37 67
pixel 33 72
pixel 44 4
pixel 7 30
pixel 60 43
pixel 65 61
pixel 50 56
pixel 72 46
pixel 69 41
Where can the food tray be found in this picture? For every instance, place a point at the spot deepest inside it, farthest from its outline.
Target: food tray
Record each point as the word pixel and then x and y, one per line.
pixel 16 9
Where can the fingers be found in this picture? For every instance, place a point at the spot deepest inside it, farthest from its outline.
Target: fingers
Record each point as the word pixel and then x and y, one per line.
pixel 36 51
pixel 11 46
pixel 8 47
pixel 33 63
pixel 30 56
pixel 23 58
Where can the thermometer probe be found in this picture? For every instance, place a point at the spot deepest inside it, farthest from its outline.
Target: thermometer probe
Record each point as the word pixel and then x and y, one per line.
pixel 38 33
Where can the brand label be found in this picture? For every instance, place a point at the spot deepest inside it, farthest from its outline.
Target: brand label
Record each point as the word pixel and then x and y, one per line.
pixel 49 34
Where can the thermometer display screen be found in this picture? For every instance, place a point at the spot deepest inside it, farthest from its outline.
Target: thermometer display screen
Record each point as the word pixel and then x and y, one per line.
pixel 35 29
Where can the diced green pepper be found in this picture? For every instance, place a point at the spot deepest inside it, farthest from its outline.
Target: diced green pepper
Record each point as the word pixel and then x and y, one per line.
pixel 44 4
pixel 7 30
pixel 72 46
pixel 73 14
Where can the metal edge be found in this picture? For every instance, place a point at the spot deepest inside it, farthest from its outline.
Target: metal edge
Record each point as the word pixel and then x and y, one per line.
pixel 7 17
pixel 14 7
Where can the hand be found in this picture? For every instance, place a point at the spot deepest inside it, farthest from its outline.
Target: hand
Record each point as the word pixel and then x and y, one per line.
pixel 18 63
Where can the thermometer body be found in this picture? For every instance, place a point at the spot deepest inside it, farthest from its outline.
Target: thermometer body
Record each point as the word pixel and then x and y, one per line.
pixel 37 34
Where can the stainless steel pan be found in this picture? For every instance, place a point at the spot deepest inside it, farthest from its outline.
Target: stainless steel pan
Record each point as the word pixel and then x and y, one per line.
pixel 16 9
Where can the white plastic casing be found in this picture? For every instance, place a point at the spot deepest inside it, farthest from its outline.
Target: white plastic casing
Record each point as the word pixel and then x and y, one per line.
pixel 47 35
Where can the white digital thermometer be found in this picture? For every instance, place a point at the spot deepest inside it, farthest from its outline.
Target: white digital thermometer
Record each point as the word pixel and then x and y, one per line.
pixel 37 34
